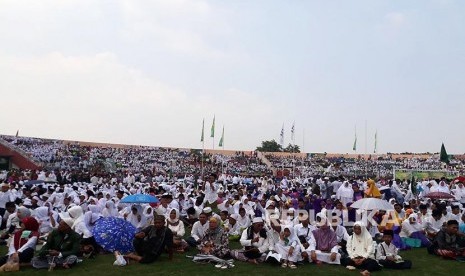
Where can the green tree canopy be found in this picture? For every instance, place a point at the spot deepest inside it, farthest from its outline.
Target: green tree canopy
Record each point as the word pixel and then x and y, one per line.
pixel 292 148
pixel 270 146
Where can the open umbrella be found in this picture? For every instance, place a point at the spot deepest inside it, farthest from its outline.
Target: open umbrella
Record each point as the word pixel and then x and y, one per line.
pixel 439 195
pixel 114 234
pixel 139 198
pixel 34 182
pixel 372 204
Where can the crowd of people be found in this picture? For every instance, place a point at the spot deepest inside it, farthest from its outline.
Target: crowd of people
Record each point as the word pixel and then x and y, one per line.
pixel 292 222
pixel 48 215
pixel 382 166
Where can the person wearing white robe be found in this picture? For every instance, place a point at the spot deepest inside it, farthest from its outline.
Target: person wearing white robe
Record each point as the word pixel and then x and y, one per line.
pixel 459 193
pixel 135 216
pixel 345 193
pixel 91 216
pixel 244 219
pixel 288 247
pixel 148 215
pixel 211 193
pixel 231 225
pixel 410 226
pixel 79 225
pixel 175 224
pixel 110 210
pixel 361 250
pixel 255 242
pixel 323 246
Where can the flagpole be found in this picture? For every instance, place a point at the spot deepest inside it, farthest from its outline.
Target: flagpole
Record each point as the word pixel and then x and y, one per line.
pixel 366 153
pixel 303 142
pixel 293 150
pixel 203 149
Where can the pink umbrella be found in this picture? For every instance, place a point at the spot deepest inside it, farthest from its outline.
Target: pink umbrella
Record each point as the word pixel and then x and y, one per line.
pixel 439 195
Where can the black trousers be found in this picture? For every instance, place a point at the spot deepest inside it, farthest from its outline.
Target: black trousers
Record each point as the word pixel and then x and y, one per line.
pixel 406 264
pixel 24 257
pixel 146 251
pixel 367 264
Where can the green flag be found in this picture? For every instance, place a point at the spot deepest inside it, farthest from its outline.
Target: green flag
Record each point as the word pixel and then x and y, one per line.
pixel 203 126
pixel 213 128
pixel 222 139
pixel 444 157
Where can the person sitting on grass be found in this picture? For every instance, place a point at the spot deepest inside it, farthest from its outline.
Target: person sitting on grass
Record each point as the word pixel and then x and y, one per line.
pixel 62 246
pixel 215 242
pixel 177 227
pixel 24 241
pixel 255 242
pixel 448 243
pixel 413 230
pixel 150 243
pixel 198 231
pixel 323 247
pixel 288 247
pixel 232 227
pixel 387 255
pixel 360 250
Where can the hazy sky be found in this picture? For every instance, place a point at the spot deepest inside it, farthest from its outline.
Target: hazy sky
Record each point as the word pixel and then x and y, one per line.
pixel 148 72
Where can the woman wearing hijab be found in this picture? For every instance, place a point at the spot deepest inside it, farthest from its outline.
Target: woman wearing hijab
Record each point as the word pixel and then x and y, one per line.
pixel 324 247
pixel 372 190
pixel 135 217
pixel 232 227
pixel 79 226
pixel 243 220
pixel 360 250
pixel 23 242
pixel 148 215
pixel 412 232
pixel 91 216
pixel 288 247
pixel 46 219
pixel 177 227
pixel 110 209
pixel 215 242
pixel 345 193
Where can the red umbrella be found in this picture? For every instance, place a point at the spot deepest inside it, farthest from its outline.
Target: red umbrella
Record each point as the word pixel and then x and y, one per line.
pixel 439 195
pixel 460 179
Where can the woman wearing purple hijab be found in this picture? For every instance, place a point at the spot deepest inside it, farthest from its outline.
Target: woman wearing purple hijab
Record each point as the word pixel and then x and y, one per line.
pixel 323 247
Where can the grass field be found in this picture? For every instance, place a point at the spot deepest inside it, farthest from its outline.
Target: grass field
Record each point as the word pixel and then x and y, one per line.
pixel 423 264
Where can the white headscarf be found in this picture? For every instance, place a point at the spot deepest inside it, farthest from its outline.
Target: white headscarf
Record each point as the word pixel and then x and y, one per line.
pixel 360 245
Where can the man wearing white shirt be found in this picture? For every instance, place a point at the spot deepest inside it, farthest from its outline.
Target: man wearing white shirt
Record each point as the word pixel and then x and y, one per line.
pixel 5 196
pixel 434 223
pixel 198 230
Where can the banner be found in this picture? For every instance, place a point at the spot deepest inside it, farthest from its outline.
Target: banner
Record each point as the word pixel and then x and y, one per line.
pixel 427 174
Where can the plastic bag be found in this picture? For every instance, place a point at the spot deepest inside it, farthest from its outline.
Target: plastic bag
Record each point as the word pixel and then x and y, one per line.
pixel 120 261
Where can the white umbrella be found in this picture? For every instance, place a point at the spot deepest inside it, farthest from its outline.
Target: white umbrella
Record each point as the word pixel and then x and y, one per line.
pixel 372 204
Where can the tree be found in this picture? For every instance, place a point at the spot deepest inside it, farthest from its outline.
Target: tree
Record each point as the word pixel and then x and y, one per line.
pixel 292 148
pixel 270 146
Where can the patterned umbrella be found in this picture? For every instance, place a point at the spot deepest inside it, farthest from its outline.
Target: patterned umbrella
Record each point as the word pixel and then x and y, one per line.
pixel 114 234
pixel 439 195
